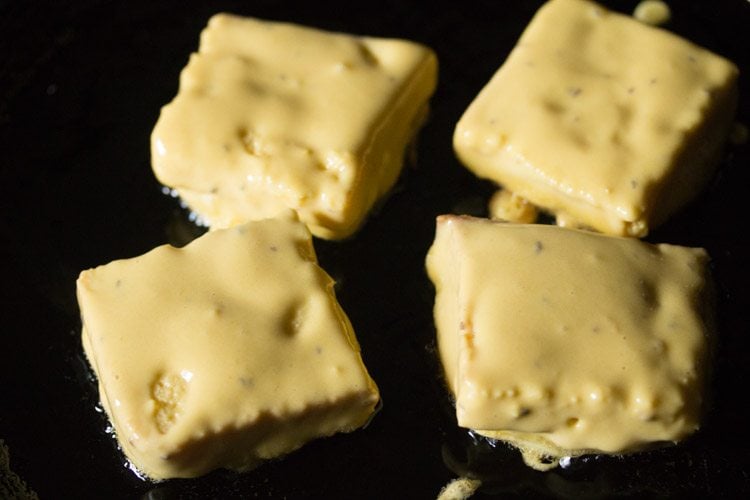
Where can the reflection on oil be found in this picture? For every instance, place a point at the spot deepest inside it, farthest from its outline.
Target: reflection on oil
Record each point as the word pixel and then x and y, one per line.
pixel 12 486
pixel 503 473
pixel 180 229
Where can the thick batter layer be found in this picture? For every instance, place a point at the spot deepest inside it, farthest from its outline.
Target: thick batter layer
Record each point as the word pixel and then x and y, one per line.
pixel 271 116
pixel 564 341
pixel 223 353
pixel 605 121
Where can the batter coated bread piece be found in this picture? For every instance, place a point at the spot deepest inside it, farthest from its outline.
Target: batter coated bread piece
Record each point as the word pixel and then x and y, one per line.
pixel 271 116
pixel 564 342
pixel 602 120
pixel 223 353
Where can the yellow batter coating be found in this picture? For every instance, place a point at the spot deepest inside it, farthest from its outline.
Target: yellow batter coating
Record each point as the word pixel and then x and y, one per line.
pixel 606 122
pixel 271 116
pixel 564 342
pixel 223 353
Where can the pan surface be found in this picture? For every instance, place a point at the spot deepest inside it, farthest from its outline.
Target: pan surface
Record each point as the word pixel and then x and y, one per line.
pixel 81 85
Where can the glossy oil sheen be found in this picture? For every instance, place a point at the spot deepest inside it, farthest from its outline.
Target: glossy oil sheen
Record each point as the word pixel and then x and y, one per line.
pixel 81 86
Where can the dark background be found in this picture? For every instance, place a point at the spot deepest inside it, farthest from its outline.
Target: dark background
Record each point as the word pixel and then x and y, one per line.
pixel 81 85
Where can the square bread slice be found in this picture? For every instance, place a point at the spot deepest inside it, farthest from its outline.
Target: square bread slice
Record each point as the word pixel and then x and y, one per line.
pixel 602 120
pixel 271 116
pixel 564 342
pixel 223 353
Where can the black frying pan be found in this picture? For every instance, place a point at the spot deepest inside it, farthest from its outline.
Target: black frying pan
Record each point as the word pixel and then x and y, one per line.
pixel 81 84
